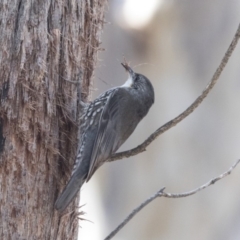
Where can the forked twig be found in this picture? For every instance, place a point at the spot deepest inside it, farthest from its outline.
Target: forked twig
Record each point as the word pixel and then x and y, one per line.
pixel 161 193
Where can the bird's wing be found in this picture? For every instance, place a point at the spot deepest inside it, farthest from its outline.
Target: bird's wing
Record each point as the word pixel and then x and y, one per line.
pixel 107 139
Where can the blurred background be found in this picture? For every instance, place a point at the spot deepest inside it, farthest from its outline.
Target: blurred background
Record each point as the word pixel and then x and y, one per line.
pixel 177 44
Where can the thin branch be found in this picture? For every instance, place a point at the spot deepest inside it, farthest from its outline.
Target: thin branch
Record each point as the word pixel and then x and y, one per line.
pixel 133 213
pixel 209 183
pixel 161 193
pixel 189 110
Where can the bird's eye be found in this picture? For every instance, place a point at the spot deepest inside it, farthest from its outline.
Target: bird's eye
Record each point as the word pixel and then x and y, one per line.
pixel 136 79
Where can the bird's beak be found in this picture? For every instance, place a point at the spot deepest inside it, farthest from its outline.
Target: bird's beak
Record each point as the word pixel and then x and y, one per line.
pixel 128 69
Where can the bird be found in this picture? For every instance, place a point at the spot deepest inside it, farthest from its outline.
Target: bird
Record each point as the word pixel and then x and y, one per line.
pixel 108 121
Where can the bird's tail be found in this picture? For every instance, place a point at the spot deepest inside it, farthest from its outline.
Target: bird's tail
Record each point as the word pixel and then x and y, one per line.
pixel 69 192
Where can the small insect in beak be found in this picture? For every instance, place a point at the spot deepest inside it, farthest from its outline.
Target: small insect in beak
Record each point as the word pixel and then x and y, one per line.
pixel 128 69
pixel 131 74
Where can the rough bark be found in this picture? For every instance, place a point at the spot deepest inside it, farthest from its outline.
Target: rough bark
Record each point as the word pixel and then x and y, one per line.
pixel 42 45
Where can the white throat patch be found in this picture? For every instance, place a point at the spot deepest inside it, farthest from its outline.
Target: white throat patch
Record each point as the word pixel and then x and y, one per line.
pixel 128 83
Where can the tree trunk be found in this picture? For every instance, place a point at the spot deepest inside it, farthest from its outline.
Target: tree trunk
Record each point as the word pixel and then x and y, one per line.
pixel 43 44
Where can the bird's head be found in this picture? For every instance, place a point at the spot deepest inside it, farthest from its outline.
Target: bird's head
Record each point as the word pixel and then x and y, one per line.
pixel 138 82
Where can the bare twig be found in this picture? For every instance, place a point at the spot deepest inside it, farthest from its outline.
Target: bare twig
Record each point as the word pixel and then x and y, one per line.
pixel 189 110
pixel 133 213
pixel 211 182
pixel 161 193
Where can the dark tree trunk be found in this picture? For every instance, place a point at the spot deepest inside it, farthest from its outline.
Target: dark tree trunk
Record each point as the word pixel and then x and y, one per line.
pixel 42 45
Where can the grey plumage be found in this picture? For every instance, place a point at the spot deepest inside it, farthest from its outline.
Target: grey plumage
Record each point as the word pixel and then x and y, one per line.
pixel 108 121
